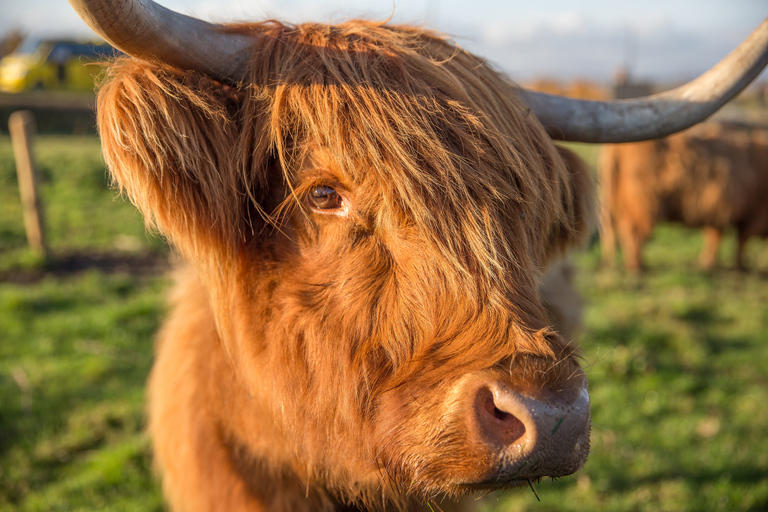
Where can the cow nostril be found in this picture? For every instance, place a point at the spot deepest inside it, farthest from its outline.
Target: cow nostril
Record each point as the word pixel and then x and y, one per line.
pixel 500 424
pixel 500 414
pixel 490 406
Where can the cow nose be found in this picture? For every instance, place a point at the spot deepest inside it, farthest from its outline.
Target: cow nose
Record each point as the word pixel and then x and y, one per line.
pixel 531 436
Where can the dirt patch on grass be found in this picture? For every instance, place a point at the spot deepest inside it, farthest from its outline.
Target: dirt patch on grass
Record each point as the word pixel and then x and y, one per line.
pixel 146 264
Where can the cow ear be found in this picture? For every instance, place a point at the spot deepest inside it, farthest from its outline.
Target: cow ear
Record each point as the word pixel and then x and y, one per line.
pixel 578 218
pixel 167 138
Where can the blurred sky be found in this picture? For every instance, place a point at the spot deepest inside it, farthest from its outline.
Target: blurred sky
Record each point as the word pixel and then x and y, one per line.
pixel 664 40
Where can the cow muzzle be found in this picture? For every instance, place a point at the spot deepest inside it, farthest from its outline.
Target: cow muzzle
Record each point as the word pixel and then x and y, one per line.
pixel 527 435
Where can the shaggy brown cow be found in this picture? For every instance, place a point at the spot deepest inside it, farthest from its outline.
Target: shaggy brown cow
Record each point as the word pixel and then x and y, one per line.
pixel 366 212
pixel 712 176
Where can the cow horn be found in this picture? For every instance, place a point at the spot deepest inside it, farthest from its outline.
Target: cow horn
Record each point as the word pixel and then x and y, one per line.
pixel 657 115
pixel 149 31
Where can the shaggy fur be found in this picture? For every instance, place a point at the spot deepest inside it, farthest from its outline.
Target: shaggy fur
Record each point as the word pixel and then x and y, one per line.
pixel 711 176
pixel 308 356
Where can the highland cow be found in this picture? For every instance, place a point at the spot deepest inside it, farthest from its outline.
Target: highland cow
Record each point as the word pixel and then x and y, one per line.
pixel 369 216
pixel 713 176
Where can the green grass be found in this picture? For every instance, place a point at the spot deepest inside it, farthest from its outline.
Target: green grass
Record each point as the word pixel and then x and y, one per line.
pixel 677 361
pixel 75 345
pixel 74 357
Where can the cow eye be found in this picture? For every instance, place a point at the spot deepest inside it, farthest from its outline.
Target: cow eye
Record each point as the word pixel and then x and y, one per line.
pixel 323 197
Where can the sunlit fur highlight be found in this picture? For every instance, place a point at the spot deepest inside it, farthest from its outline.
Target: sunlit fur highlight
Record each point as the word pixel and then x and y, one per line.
pixel 340 338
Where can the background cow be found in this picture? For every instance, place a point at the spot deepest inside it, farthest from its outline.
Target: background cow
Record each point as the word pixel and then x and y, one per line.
pixel 367 213
pixel 713 176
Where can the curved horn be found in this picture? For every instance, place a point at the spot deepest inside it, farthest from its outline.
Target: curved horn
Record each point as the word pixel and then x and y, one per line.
pixel 147 30
pixel 144 29
pixel 657 115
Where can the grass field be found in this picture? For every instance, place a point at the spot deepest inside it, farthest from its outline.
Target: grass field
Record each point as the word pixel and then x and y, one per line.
pixel 677 362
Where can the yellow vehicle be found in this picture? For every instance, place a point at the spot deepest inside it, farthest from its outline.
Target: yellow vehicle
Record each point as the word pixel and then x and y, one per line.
pixel 52 64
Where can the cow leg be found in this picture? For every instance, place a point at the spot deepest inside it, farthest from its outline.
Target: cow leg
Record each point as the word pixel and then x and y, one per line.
pixel 712 238
pixel 632 237
pixel 607 237
pixel 740 248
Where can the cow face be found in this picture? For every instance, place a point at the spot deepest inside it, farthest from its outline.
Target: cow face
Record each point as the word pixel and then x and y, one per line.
pixel 371 233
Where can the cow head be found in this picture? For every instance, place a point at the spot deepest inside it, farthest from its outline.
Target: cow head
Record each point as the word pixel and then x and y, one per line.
pixel 370 210
pixel 371 226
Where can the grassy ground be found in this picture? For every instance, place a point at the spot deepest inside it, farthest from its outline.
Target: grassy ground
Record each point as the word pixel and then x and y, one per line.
pixel 677 361
pixel 75 340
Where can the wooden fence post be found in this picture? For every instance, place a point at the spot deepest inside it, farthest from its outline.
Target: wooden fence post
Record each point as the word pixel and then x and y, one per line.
pixel 22 129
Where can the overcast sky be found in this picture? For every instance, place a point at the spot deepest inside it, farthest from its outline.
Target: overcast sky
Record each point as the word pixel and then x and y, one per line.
pixel 665 40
